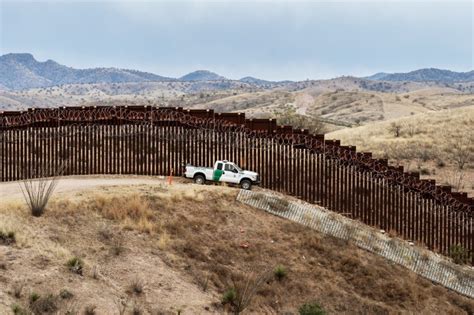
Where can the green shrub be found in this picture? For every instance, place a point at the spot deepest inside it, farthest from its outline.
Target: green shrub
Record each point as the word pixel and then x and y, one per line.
pixel 280 272
pixel 65 294
pixel 229 296
pixel 18 310
pixel 312 308
pixel 459 254
pixel 34 297
pixel 44 305
pixel 75 265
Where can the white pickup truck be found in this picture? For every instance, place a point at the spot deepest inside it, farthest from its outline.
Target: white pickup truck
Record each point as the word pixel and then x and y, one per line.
pixel 223 171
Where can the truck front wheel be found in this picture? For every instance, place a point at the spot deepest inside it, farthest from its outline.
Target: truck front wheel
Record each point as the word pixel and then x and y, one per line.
pixel 199 179
pixel 246 184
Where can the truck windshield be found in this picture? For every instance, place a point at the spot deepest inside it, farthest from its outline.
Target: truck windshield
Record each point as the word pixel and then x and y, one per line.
pixel 237 168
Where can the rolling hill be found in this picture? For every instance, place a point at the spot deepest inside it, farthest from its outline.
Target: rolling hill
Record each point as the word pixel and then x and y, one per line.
pixel 202 75
pixel 433 143
pixel 164 249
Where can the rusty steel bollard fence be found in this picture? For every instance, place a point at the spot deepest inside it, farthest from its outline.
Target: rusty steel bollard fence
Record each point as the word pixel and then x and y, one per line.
pixel 148 140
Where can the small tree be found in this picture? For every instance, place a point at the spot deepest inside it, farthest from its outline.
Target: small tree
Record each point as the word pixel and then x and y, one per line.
pixel 395 129
pixel 461 152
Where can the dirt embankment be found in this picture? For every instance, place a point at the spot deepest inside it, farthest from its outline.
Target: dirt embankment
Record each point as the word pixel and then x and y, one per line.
pixel 163 249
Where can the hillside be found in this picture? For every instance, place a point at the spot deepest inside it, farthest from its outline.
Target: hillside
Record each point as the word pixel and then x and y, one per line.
pixel 149 93
pixel 433 143
pixel 424 75
pixel 167 249
pixel 202 75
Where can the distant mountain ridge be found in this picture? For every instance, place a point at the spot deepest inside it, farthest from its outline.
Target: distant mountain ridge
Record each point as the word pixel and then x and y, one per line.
pixel 22 71
pixel 425 75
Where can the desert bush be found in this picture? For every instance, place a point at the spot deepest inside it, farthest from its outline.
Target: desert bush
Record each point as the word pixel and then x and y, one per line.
pixel 34 297
pixel 7 238
pixel 280 272
pixel 425 154
pixel 459 254
pixel 18 289
pixel 136 309
pixel 395 129
pixel 229 296
pixel 90 310
pixel 312 308
pixel 241 293
pixel 203 280
pixel 70 308
pixel 164 240
pixel 117 246
pixel 461 151
pixel 455 178
pixel 411 129
pixel 105 233
pixel 65 294
pixel 19 310
pixel 137 286
pixel 41 305
pixel 38 190
pixel 425 171
pixel 75 265
pixel 440 163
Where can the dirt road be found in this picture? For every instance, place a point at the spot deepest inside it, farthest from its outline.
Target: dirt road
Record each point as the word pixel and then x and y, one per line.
pixel 11 190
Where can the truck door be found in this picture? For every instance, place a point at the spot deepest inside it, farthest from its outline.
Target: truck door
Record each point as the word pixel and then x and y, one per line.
pixel 217 174
pixel 231 175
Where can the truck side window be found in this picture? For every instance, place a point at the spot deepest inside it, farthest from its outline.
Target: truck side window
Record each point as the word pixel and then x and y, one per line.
pixel 229 167
pixel 219 166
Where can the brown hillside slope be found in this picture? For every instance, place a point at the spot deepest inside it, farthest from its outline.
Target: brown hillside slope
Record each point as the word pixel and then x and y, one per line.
pixel 164 249
pixel 431 143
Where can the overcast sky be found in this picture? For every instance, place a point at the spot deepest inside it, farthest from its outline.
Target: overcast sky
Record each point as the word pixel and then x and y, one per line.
pixel 268 39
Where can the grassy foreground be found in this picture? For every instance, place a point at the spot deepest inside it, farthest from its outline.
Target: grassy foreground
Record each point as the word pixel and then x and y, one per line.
pixel 188 249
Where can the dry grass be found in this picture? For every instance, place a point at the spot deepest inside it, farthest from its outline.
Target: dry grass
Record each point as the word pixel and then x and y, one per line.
pixel 18 221
pixel 430 143
pixel 197 231
pixel 132 210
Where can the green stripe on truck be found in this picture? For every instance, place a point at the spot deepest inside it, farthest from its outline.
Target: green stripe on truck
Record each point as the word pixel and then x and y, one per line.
pixel 216 176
